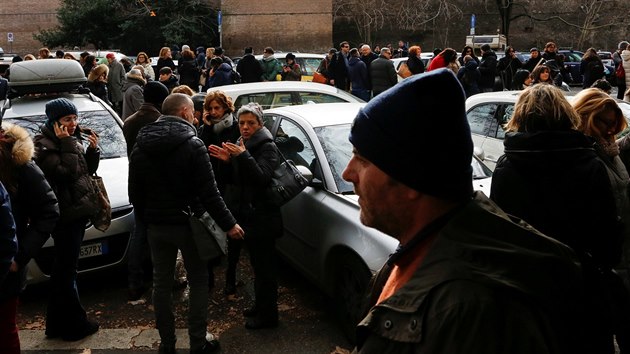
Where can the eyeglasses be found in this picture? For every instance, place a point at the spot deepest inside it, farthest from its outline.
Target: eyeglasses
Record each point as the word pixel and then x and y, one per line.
pixel 345 46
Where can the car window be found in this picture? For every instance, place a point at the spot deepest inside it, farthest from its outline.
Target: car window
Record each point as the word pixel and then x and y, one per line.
pixel 111 139
pixel 294 144
pixel 263 99
pixel 482 119
pixel 281 99
pixel 310 65
pixel 508 111
pixel 315 97
pixel 338 151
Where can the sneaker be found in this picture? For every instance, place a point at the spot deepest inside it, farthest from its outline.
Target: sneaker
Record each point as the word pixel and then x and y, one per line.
pixel 136 294
pixel 211 346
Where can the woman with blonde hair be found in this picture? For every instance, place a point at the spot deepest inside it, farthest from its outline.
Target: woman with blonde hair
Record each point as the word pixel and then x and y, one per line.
pixel 166 59
pixel 143 59
pixel 602 119
pixel 69 56
pixel 552 178
pixel 44 53
pixel 97 82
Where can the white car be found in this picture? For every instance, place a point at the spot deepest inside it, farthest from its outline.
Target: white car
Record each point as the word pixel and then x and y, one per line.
pixel 487 114
pixel 323 236
pixel 34 83
pixel 272 94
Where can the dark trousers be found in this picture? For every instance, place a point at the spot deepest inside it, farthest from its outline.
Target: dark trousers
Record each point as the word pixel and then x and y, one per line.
pixel 621 89
pixel 138 252
pixel 261 245
pixel 164 241
pixel 64 312
pixel 233 255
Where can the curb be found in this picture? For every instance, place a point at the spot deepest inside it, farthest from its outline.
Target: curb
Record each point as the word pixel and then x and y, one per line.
pixel 132 339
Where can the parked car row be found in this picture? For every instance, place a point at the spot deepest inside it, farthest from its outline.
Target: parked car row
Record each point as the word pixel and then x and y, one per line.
pixel 489 112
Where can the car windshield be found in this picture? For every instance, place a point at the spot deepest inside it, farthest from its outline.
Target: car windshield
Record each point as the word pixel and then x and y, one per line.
pixel 338 150
pixel 111 139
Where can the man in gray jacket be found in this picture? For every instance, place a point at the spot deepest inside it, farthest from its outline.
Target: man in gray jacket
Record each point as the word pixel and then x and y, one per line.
pixel 115 81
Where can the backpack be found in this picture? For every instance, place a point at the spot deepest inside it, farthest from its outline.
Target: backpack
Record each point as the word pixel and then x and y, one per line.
pixel 620 73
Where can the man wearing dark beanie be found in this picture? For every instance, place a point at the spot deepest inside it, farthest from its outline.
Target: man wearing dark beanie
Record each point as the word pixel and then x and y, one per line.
pixel 466 277
pixel 154 95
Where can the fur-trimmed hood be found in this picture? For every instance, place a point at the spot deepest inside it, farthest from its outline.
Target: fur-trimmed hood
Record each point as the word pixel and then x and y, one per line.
pixel 23 149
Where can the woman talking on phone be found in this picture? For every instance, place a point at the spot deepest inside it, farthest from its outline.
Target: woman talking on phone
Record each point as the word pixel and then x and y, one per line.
pixel 67 165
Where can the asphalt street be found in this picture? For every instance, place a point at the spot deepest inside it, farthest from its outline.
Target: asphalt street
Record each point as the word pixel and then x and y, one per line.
pixel 307 324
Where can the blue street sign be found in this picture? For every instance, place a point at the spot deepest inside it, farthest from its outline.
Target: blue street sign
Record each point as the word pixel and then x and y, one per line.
pixel 219 18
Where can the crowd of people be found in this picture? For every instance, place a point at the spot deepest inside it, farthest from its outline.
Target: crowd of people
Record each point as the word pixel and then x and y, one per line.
pixel 540 265
pixel 484 73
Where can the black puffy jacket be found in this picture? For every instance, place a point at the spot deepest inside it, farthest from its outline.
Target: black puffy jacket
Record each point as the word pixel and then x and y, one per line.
pixel 169 171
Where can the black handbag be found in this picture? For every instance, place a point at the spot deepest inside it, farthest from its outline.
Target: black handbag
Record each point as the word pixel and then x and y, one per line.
pixel 210 240
pixel 287 182
pixel 102 217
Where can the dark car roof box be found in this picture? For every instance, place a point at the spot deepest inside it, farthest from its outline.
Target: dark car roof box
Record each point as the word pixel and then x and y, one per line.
pixel 45 76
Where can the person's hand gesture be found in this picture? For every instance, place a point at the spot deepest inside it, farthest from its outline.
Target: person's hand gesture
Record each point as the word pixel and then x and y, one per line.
pixel 60 130
pixel 235 149
pixel 219 153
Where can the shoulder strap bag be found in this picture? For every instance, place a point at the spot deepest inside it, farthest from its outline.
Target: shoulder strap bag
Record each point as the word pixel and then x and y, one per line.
pixel 287 182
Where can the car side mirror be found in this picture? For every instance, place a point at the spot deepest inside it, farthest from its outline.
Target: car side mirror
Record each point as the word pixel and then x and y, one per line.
pixel 477 151
pixel 305 172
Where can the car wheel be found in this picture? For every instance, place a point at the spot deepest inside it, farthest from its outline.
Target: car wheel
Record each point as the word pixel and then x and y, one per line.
pixel 350 292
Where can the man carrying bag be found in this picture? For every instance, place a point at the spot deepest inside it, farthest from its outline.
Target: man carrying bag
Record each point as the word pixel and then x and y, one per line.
pixel 170 172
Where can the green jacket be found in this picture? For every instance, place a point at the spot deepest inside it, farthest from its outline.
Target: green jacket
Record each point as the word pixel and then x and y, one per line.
pixel 271 68
pixel 489 284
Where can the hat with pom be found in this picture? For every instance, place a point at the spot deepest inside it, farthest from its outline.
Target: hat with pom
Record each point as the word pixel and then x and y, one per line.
pixel 58 108
pixel 155 93
pixel 408 127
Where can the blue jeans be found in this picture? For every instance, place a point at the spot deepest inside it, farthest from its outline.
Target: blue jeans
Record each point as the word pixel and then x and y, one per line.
pixel 164 241
pixel 64 312
pixel 136 256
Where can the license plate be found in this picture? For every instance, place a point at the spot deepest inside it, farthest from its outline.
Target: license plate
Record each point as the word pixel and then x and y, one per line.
pixel 92 250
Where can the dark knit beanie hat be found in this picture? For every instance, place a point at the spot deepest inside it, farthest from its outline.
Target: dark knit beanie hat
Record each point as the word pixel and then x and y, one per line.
pixel 420 122
pixel 155 93
pixel 57 108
